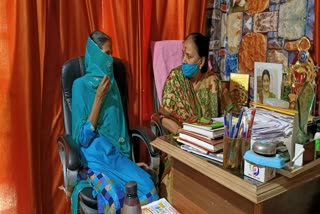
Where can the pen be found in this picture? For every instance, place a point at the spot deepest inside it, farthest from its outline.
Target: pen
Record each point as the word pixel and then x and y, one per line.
pixel 240 134
pixel 253 113
pixel 244 128
pixel 237 126
pixel 226 134
pixel 230 124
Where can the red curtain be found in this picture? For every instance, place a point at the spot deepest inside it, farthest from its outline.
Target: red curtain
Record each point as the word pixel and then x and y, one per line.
pixel 36 37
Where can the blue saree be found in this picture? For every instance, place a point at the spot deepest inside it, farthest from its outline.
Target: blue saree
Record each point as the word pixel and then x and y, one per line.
pixel 105 150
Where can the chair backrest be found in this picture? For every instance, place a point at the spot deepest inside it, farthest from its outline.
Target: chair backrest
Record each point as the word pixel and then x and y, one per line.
pixel 73 69
pixel 166 55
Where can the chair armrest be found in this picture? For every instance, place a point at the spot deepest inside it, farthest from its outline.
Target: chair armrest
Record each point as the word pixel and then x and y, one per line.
pixel 147 137
pixel 156 126
pixel 69 156
pixel 70 150
pixel 144 134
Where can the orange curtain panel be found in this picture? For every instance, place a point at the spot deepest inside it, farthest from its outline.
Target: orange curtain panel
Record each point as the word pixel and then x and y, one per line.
pixel 36 37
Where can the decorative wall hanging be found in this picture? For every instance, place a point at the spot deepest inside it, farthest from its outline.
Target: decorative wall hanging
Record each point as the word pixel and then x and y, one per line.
pixel 246 31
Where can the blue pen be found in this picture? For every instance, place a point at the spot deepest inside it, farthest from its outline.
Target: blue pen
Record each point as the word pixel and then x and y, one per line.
pixel 235 133
pixel 226 134
pixel 232 132
pixel 230 125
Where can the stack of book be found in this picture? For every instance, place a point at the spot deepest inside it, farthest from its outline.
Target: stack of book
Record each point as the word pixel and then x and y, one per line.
pixel 204 140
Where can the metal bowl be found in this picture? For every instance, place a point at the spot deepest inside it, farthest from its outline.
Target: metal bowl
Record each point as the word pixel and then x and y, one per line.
pixel 264 148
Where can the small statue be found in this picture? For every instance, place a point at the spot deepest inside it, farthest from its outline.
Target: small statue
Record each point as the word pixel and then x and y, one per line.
pixel 304 70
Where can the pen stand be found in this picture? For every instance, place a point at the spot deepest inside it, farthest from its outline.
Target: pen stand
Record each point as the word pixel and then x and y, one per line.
pixel 233 152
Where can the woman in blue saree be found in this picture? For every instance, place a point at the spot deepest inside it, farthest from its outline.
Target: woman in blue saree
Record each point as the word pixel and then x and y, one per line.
pixel 100 129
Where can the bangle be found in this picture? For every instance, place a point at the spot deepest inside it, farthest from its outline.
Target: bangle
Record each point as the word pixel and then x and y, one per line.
pixel 177 132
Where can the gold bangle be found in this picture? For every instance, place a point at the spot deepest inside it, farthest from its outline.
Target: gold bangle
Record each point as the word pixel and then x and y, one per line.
pixel 177 132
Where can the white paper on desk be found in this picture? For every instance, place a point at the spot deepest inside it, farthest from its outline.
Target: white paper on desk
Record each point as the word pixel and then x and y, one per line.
pixel 269 125
pixel 160 206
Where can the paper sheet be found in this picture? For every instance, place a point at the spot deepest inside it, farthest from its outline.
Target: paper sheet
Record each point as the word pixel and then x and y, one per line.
pixel 161 206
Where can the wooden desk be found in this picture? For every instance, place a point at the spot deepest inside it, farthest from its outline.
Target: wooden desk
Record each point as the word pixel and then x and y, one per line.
pixel 199 186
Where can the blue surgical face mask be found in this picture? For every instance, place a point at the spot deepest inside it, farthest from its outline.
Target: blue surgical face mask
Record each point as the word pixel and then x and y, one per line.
pixel 189 70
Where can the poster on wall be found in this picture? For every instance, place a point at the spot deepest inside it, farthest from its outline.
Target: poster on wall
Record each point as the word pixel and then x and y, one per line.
pixel 267 81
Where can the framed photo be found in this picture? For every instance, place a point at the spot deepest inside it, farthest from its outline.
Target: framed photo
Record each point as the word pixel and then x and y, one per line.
pixel 267 81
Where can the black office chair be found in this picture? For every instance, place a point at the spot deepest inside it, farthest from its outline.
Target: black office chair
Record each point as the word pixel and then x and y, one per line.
pixel 69 150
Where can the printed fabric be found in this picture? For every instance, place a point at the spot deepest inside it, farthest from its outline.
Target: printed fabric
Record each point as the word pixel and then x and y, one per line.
pixel 183 101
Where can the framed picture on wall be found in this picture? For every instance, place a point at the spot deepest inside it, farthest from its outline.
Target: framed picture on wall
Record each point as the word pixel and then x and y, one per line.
pixel 267 81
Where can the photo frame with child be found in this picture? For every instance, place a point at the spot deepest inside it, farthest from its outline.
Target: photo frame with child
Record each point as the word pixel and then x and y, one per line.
pixel 267 81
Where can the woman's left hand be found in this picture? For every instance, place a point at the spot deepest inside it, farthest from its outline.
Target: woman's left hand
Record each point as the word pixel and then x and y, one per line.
pixel 143 165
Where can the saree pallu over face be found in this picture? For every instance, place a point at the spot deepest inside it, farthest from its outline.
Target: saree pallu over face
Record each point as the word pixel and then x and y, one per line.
pixel 106 149
pixel 111 122
pixel 182 100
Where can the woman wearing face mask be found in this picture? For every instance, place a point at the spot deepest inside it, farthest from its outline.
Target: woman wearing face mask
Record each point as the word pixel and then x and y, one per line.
pixel 190 91
pixel 265 91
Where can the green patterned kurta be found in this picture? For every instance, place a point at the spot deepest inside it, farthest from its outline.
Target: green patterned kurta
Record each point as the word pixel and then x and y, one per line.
pixel 185 101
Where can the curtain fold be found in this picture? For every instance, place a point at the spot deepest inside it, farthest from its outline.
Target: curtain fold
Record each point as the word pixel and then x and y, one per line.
pixel 121 22
pixel 36 37
pixel 23 101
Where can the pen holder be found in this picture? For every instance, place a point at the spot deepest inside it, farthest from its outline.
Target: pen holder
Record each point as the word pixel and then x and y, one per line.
pixel 233 152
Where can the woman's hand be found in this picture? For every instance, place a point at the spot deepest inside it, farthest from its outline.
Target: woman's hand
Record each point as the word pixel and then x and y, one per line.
pixel 143 165
pixel 192 119
pixel 101 93
pixel 103 87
